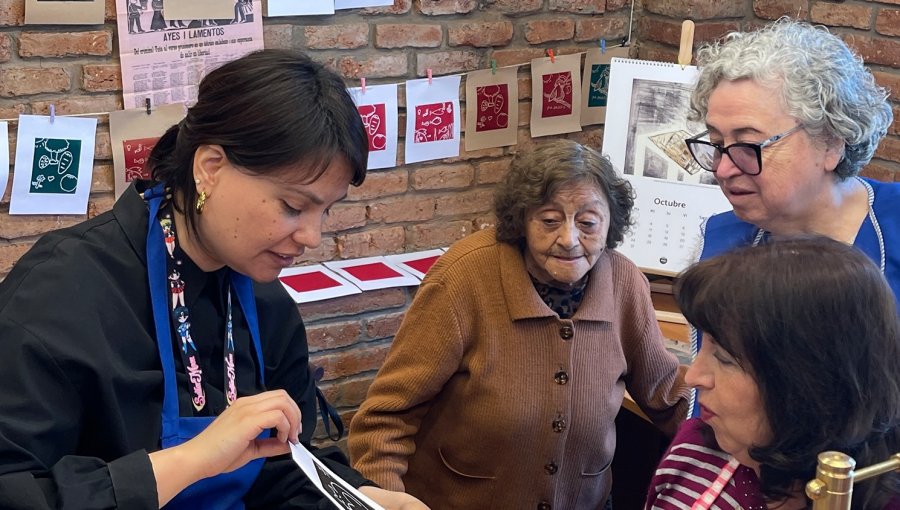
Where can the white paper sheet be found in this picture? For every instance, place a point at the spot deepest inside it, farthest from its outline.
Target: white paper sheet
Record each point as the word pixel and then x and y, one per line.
pixel 338 491
pixel 646 124
pixel 4 157
pixel 378 109
pixel 133 133
pixel 54 165
pixel 299 7
pixel 432 119
pixel 314 283
pixel 414 263
pixel 200 9
pixel 50 12
pixel 556 95
pixel 372 273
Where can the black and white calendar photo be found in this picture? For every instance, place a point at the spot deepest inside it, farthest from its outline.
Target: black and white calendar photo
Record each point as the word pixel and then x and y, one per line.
pixel 342 494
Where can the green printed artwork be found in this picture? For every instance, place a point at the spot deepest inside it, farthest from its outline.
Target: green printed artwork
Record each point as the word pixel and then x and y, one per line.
pixel 599 85
pixel 54 168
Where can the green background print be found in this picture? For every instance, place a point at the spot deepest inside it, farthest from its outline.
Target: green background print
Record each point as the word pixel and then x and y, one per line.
pixel 54 168
pixel 599 85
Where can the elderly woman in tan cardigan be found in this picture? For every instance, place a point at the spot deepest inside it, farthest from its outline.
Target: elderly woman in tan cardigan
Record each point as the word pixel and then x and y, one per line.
pixel 502 386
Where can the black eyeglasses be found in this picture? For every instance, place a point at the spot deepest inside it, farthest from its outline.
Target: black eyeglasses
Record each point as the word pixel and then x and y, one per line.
pixel 747 157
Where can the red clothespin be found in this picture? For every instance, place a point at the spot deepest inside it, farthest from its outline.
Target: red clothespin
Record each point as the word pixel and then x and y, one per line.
pixel 428 72
pixel 52 113
pixel 552 55
pixel 362 82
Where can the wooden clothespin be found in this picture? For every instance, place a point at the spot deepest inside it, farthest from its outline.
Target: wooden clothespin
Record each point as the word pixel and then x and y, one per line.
pixel 428 72
pixel 552 55
pixel 362 83
pixel 686 47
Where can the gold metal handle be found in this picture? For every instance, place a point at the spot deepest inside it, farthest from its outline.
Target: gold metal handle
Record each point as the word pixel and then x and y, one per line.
pixel 832 489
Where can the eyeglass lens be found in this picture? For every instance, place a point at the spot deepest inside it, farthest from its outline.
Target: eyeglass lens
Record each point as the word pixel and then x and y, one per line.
pixel 709 157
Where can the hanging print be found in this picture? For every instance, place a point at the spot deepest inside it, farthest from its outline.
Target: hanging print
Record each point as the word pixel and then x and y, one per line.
pixel 595 83
pixel 432 126
pixel 67 12
pixel 54 165
pixel 377 108
pixel 4 157
pixel 556 99
pixel 492 108
pixel 133 134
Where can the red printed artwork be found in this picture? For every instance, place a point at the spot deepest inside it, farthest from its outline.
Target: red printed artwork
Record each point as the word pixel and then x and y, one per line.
pixel 373 119
pixel 309 282
pixel 557 95
pixel 373 271
pixel 136 153
pixel 493 107
pixel 434 122
pixel 423 265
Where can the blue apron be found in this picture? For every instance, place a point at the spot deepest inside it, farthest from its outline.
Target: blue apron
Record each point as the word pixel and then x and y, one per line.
pixel 225 491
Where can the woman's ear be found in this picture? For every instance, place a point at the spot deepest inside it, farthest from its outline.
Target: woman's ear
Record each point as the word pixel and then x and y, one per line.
pixel 834 153
pixel 209 160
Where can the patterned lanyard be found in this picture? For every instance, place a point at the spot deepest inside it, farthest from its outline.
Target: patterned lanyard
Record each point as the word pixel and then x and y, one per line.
pixel 181 317
pixel 705 501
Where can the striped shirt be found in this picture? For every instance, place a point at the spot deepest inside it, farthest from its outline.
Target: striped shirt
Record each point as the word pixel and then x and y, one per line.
pixel 692 465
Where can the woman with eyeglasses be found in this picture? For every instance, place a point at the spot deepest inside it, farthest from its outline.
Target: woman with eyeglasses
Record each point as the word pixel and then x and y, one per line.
pixel 792 116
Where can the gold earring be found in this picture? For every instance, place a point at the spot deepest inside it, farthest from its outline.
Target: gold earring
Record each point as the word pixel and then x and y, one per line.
pixel 201 201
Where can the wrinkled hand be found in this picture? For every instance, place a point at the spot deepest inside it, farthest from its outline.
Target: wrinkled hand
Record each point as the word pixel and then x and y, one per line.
pixel 392 500
pixel 231 440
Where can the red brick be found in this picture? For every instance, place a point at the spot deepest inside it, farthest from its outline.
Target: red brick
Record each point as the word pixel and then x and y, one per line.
pixel 64 44
pixel 440 7
pixel 402 208
pixel 369 301
pixel 5 47
pixel 890 81
pixel 102 144
pixel 12 112
pixel 372 66
pixel 591 136
pixel 517 6
pixel 615 5
pixel 448 62
pixel 443 177
pixel 327 250
pixel 345 216
pixel 408 35
pixel 579 6
pixel 370 243
pixel 841 15
pixel 465 202
pixel 524 87
pixel 657 53
pixel 894 128
pixel 380 184
pixel 340 37
pixel 464 155
pixel 594 29
pixel 352 362
pixel 426 236
pixel 399 7
pixel 895 2
pixel 696 9
pixel 101 77
pixel 888 22
pixel 21 81
pixel 541 31
pixel 109 9
pixel 888 149
pixel 23 225
pixel 491 172
pixel 102 179
pixel 12 12
pixel 384 325
pixel 480 35
pixel 10 254
pixel 516 56
pixel 774 9
pixel 881 171
pixel 323 337
pixel 71 105
pixel 876 51
pixel 348 392
pixel 100 205
pixel 279 36
pixel 484 221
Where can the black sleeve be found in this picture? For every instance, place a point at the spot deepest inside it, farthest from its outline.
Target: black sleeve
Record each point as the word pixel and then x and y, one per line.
pixel 40 422
pixel 281 483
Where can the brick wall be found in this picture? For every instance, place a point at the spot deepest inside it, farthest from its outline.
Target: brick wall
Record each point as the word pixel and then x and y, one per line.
pixel 410 207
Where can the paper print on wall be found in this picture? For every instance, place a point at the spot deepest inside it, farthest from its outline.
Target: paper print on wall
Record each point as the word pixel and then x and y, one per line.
pixel 417 263
pixel 200 9
pixel 646 124
pixel 68 12
pixel 352 4
pixel 54 165
pixel 314 283
pixel 4 157
pixel 371 273
pixel 378 110
pixel 432 125
pixel 133 134
pixel 492 108
pixel 595 83
pixel 556 95
pixel 299 7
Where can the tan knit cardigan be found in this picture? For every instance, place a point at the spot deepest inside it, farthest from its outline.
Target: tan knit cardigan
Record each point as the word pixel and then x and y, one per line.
pixel 489 400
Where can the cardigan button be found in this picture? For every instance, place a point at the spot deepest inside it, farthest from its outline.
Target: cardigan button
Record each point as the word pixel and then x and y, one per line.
pixel 561 377
pixel 543 505
pixel 551 468
pixel 566 332
pixel 559 425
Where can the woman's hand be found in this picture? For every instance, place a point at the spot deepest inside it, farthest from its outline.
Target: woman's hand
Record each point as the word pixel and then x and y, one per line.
pixel 392 500
pixel 229 442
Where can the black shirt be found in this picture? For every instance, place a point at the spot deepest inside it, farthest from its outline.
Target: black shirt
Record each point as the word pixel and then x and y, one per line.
pixel 81 383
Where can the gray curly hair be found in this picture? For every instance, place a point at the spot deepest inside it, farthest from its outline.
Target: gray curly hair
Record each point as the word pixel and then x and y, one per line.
pixel 824 84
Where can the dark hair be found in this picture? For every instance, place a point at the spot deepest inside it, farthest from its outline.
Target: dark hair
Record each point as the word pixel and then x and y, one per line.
pixel 815 323
pixel 269 110
pixel 536 176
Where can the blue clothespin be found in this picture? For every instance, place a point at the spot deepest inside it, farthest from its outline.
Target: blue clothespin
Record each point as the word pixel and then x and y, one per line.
pixel 602 46
pixel 52 113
